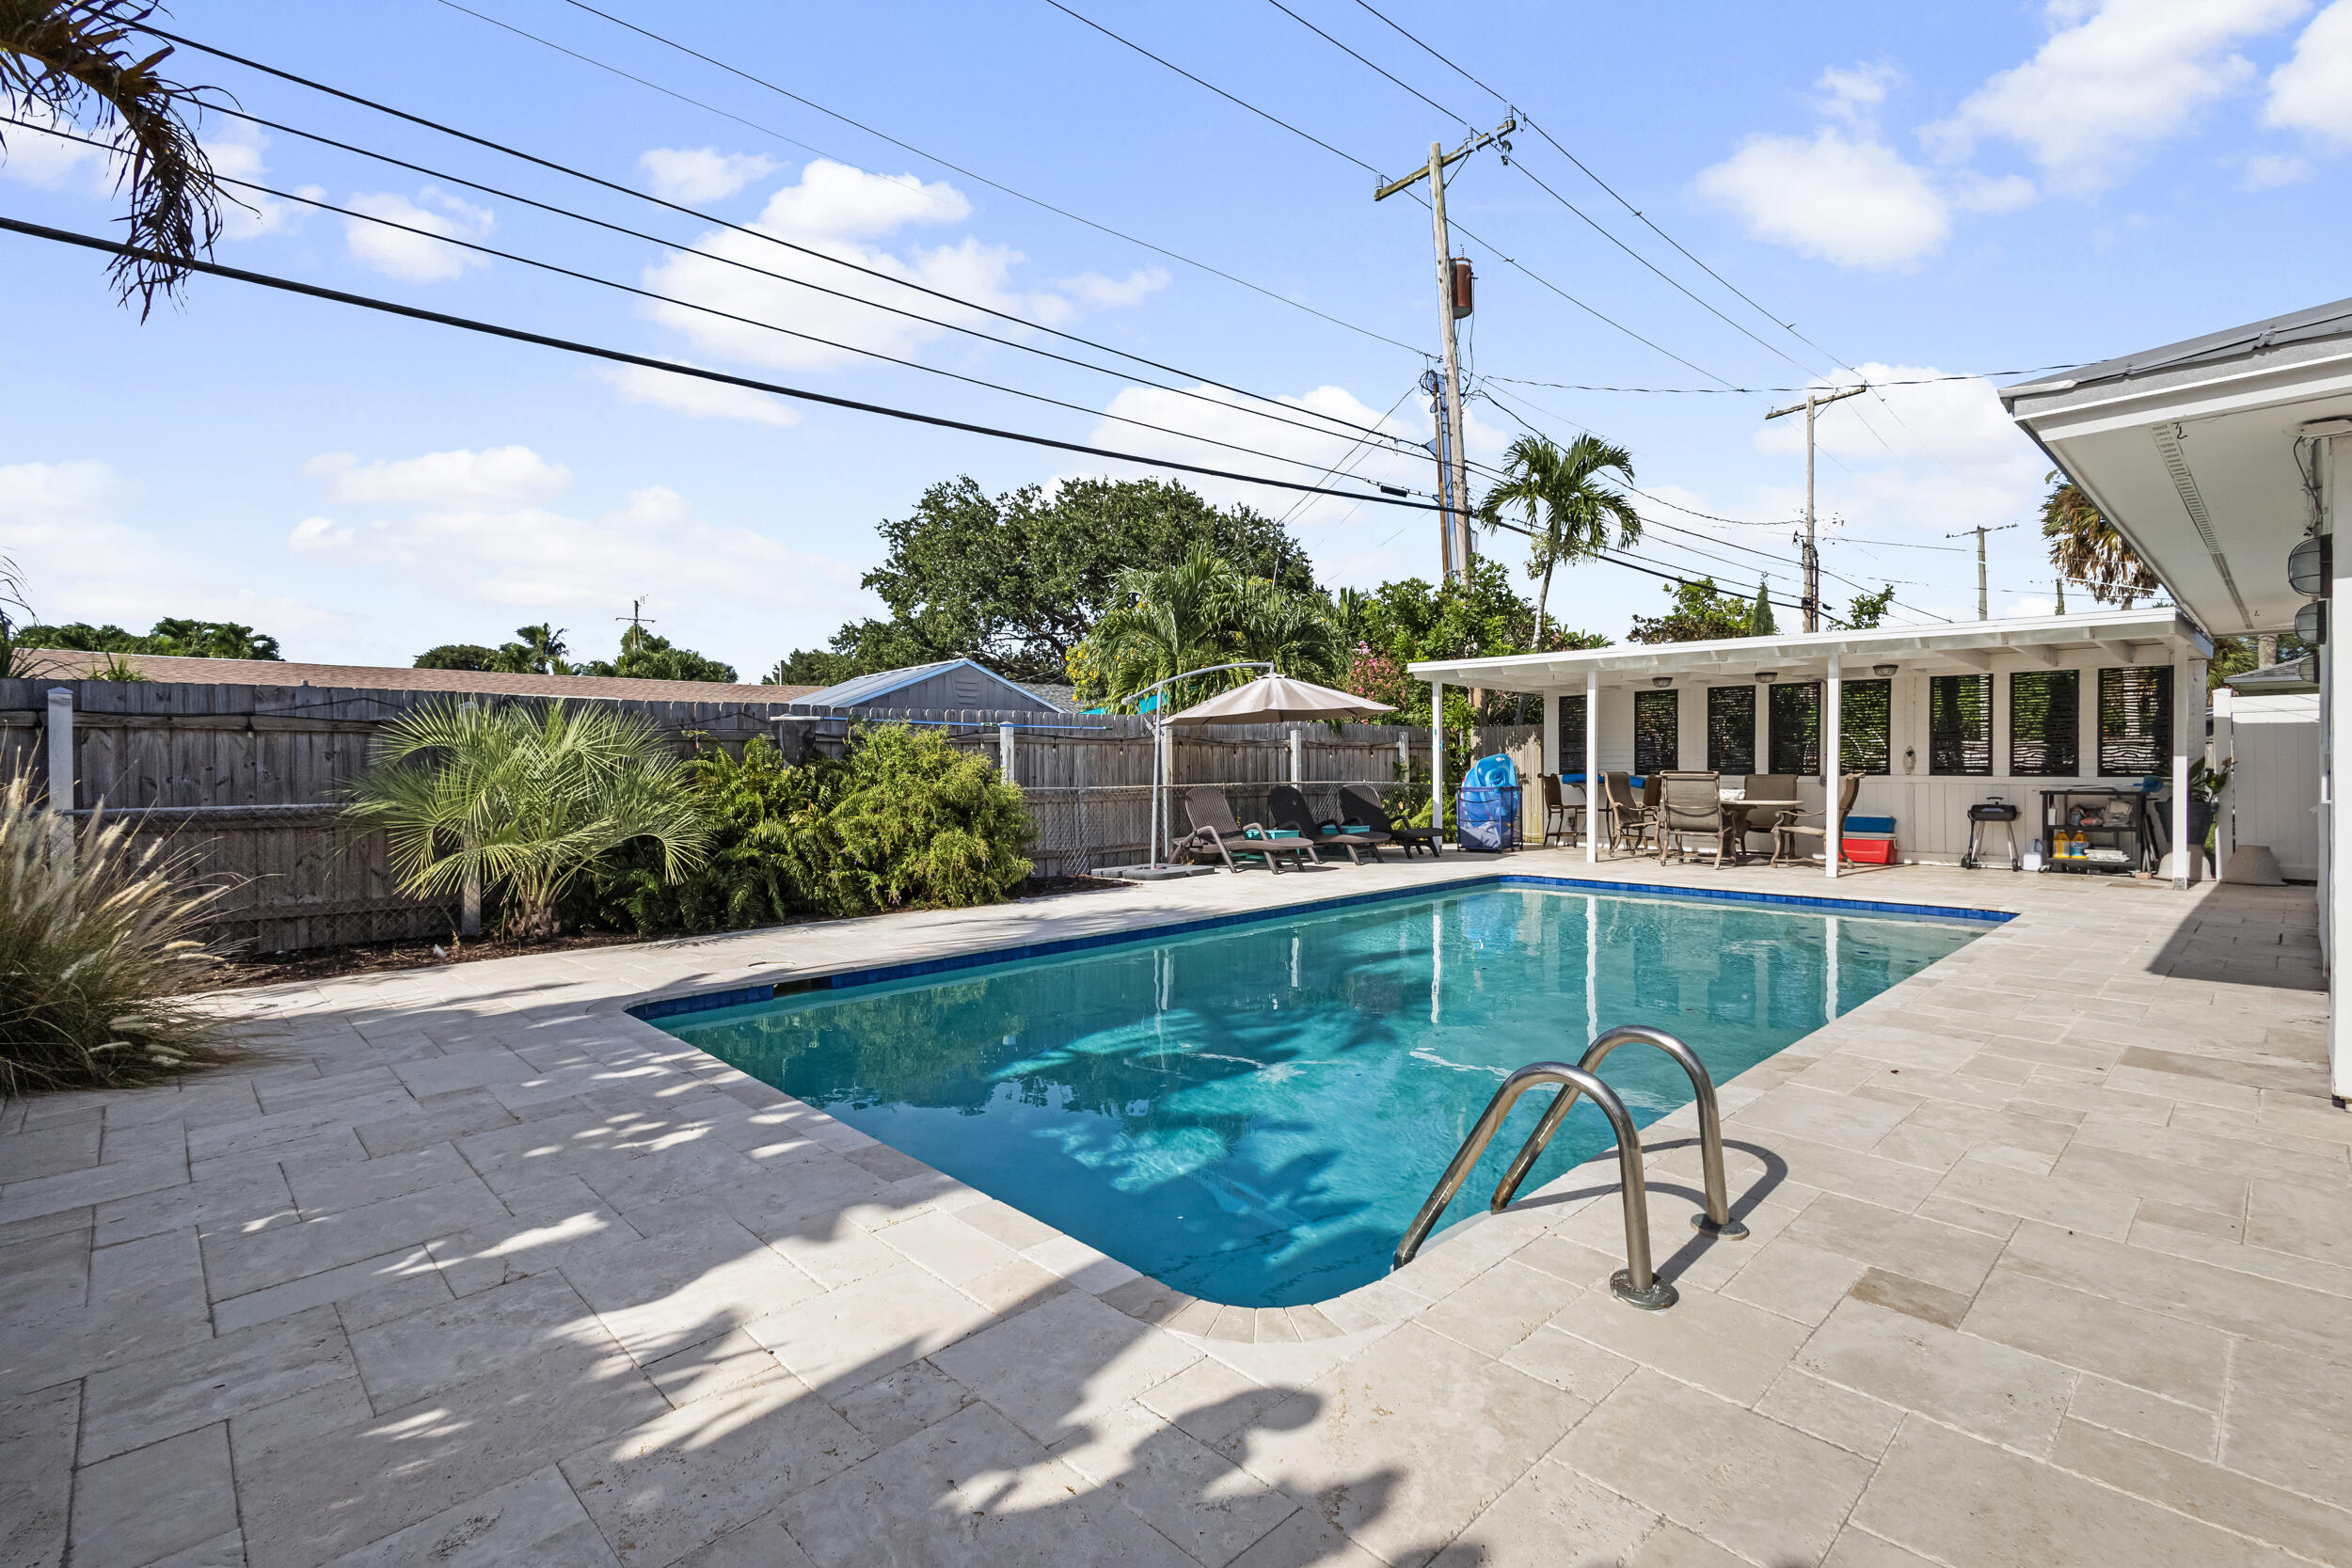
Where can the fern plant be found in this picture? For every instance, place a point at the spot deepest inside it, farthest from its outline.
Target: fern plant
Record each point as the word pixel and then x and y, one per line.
pixel 99 934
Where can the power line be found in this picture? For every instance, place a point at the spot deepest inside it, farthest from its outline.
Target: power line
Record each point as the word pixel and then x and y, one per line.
pixel 1368 65
pixel 740 229
pixel 505 195
pixel 909 147
pixel 1481 241
pixel 1789 328
pixel 1239 102
pixel 1719 391
pixel 367 302
pixel 712 310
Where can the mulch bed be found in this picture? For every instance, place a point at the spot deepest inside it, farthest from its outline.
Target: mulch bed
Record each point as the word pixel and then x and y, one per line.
pixel 331 963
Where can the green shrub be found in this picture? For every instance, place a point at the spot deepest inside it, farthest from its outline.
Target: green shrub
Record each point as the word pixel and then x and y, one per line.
pixel 905 820
pixel 98 934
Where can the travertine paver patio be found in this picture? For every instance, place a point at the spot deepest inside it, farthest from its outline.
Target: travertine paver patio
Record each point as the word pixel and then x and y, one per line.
pixel 467 1266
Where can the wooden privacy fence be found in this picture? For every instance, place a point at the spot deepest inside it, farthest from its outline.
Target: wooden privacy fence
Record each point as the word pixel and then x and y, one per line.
pixel 248 780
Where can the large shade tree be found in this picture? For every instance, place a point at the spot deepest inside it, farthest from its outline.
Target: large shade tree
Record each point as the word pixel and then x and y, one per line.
pixel 1568 508
pixel 80 62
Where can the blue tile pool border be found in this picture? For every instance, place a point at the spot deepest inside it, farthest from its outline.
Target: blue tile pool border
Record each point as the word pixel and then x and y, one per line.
pixel 769 990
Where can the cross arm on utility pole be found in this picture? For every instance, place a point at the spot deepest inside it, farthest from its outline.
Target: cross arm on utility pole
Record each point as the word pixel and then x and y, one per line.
pixel 1817 401
pixel 1384 192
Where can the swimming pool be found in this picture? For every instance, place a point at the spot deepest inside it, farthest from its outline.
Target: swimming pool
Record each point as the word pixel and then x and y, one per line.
pixel 1253 1114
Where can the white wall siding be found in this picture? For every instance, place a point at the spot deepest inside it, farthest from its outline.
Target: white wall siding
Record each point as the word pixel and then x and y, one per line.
pixel 2274 788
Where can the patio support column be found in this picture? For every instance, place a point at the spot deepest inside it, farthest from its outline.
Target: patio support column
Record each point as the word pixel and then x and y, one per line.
pixel 1833 838
pixel 1436 760
pixel 1593 802
pixel 2335 730
pixel 2189 714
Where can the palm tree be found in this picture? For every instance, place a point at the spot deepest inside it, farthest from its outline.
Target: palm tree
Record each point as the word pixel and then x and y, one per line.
pixel 523 799
pixel 2084 546
pixel 66 60
pixel 1293 631
pixel 1175 619
pixel 1568 508
pixel 538 651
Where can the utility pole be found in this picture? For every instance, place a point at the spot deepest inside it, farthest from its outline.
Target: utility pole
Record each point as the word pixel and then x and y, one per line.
pixel 1983 606
pixel 1813 401
pixel 1453 465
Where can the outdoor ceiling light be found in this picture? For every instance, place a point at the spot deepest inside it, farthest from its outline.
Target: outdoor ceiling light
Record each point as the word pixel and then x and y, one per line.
pixel 2311 623
pixel 2309 567
pixel 1884 669
pixel 1661 680
pixel 1768 676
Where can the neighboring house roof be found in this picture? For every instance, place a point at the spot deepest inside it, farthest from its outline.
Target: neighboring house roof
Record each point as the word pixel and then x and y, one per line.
pixel 2272 680
pixel 69 664
pixel 862 689
pixel 1063 697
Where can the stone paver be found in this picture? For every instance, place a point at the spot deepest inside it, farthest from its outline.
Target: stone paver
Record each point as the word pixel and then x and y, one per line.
pixel 467 1266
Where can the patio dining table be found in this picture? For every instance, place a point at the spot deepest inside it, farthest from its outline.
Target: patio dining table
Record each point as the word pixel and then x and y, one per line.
pixel 1746 810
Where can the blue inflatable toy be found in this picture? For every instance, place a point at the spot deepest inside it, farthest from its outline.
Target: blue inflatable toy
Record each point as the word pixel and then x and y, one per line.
pixel 1486 809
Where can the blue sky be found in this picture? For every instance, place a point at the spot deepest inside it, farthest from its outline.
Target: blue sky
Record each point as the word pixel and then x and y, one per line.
pixel 1923 191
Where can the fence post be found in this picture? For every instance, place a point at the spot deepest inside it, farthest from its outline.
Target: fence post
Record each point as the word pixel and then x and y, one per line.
pixel 1005 754
pixel 469 909
pixel 1298 756
pixel 60 766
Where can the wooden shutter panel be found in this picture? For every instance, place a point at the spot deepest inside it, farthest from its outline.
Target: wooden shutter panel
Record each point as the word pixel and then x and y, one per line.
pixel 1731 729
pixel 1866 726
pixel 2045 723
pixel 1571 759
pixel 1959 724
pixel 1657 724
pixel 1796 729
pixel 2134 720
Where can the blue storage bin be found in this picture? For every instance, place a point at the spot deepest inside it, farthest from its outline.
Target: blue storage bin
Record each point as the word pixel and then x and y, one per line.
pixel 1870 824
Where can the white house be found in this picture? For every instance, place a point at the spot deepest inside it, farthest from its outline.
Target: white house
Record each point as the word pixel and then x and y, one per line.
pixel 1935 719
pixel 2216 458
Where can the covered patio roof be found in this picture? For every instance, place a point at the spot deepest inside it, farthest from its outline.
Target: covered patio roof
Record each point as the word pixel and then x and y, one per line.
pixel 2128 636
pixel 2197 453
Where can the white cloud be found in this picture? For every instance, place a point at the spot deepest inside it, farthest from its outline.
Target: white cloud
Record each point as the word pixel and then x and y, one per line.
pixel 2314 90
pixel 1854 93
pixel 1956 458
pixel 2269 170
pixel 63 524
pixel 838 212
pixel 2115 79
pixel 702 173
pixel 1112 293
pixel 416 258
pixel 699 398
pixel 496 476
pixel 51 162
pixel 236 152
pixel 1843 197
pixel 477 531
pixel 1976 193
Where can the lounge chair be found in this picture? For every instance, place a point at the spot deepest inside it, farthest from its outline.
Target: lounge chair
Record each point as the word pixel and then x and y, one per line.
pixel 1793 826
pixel 1361 806
pixel 1287 804
pixel 1694 808
pixel 1630 820
pixel 1214 831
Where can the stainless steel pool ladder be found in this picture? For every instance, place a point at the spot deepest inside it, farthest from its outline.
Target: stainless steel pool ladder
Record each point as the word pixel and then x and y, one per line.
pixel 1636 1283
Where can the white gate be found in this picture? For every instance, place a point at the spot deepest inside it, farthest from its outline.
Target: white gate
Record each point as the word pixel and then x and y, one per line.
pixel 2273 797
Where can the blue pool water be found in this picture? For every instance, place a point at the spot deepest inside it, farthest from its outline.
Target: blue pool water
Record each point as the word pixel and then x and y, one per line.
pixel 1254 1113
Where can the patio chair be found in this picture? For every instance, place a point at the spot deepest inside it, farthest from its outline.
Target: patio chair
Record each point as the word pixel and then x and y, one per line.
pixel 1793 826
pixel 1559 816
pixel 1693 807
pixel 1287 804
pixel 1630 820
pixel 1766 786
pixel 1360 806
pixel 1214 831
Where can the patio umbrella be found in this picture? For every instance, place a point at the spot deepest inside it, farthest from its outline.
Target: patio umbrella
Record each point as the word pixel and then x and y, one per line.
pixel 1272 698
